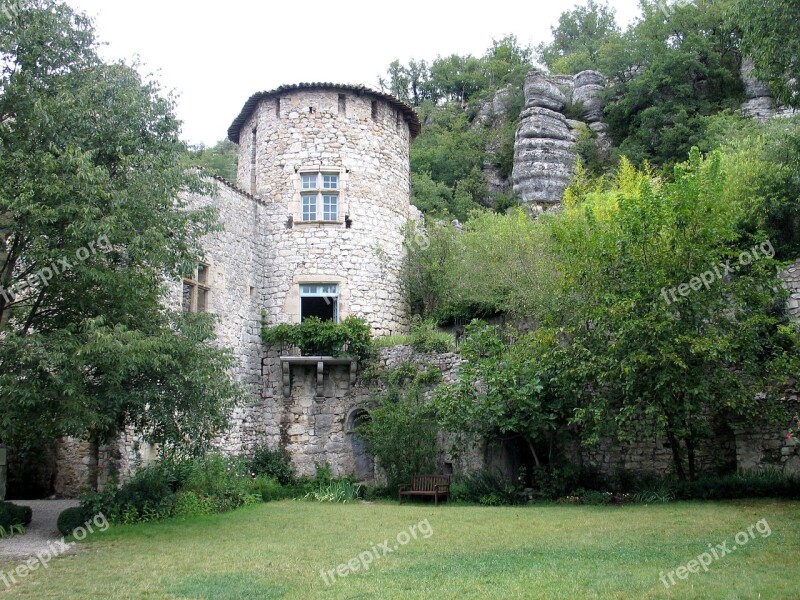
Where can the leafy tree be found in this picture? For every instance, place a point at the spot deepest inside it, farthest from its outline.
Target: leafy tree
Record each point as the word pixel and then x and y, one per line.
pixel 506 390
pixel 673 71
pixel 580 40
pixel 668 342
pixel 92 219
pixel 762 162
pixel 220 159
pixel 770 33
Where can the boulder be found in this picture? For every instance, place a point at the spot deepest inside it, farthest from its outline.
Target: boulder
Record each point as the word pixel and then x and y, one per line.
pixel 589 88
pixel 541 91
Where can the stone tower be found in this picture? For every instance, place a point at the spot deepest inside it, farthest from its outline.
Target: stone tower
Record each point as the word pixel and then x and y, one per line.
pixel 330 166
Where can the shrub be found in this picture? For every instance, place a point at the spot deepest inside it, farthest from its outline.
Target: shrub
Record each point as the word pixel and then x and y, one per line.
pixel 12 514
pixel 373 492
pixel 316 337
pixel 70 519
pixel 270 489
pixel 485 488
pixel 402 430
pixel 426 337
pixel 275 464
pixel 189 504
pixel 763 484
pixel 595 498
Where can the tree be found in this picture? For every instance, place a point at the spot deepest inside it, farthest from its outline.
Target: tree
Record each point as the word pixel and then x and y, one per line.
pixel 579 40
pixel 93 220
pixel 677 324
pixel 401 431
pixel 219 160
pixel 506 390
pixel 672 72
pixel 770 33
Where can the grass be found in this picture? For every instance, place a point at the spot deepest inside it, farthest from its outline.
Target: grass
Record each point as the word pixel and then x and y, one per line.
pixel 388 341
pixel 277 550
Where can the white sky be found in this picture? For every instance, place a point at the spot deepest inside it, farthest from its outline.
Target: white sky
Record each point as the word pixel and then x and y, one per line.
pixel 216 55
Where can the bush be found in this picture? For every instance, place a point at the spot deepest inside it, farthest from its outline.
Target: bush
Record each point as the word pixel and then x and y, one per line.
pixel 484 488
pixel 275 464
pixel 270 489
pixel 595 498
pixel 70 519
pixel 763 484
pixel 12 514
pixel 426 337
pixel 373 492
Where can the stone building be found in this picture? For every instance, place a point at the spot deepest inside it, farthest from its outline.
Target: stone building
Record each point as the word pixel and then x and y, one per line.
pixel 313 226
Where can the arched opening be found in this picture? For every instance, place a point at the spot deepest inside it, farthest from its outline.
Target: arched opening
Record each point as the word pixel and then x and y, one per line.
pixel 363 463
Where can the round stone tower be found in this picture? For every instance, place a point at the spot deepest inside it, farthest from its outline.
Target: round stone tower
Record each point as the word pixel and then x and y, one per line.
pixel 329 167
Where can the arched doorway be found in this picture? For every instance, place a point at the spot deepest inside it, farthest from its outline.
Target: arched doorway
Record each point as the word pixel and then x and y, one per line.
pixel 364 464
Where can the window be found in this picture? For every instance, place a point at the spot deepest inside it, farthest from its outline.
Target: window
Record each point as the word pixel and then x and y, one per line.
pixel 196 290
pixel 330 208
pixel 319 196
pixel 319 300
pixel 309 207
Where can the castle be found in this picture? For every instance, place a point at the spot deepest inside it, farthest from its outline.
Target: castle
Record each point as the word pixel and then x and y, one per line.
pixel 314 226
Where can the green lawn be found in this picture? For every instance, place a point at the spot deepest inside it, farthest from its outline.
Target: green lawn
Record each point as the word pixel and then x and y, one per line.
pixel 277 550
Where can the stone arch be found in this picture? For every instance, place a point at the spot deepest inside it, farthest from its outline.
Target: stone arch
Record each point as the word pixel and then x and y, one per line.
pixel 363 462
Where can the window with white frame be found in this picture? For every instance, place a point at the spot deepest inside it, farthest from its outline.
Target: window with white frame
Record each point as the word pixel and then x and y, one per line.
pixel 319 300
pixel 319 193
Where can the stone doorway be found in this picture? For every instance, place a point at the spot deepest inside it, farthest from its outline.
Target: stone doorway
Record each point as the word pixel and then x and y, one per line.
pixel 363 463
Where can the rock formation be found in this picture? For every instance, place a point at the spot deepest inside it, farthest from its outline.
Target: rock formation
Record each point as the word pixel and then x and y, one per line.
pixel 760 105
pixel 544 150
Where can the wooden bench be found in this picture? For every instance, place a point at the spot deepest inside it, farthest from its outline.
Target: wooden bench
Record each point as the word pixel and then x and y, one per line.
pixel 437 486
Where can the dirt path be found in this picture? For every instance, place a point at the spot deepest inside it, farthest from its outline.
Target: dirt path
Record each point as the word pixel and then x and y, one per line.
pixel 40 533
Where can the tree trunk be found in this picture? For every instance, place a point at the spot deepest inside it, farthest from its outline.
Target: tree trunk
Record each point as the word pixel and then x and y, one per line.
pixel 677 459
pixel 533 452
pixel 690 456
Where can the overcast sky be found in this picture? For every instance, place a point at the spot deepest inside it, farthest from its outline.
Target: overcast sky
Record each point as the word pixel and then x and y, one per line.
pixel 217 55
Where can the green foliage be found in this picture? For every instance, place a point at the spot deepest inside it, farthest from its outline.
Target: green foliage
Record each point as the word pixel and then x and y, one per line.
pixel 181 487
pixel 480 271
pixel 651 360
pixel 12 514
pixel 425 337
pixel 483 487
pixel 770 34
pixel 505 390
pixel 764 484
pixel 220 159
pixel 446 162
pixel 70 519
pixel 316 337
pixel 581 39
pixel 92 172
pixel 401 433
pixel 761 162
pixel 11 531
pixel 619 347
pixel 273 464
pixel 448 156
pixel 340 491
pixel 668 74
